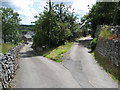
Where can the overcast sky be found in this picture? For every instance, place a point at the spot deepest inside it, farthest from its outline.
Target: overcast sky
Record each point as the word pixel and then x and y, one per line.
pixel 30 8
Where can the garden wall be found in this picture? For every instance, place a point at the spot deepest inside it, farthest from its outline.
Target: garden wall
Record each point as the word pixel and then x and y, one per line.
pixel 8 66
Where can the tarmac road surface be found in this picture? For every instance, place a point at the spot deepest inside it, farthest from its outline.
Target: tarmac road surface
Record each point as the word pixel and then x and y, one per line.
pixel 78 70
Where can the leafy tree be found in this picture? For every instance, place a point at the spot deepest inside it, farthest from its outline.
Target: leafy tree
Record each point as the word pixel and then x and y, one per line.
pixel 10 24
pixel 55 25
pixel 116 19
pixel 102 13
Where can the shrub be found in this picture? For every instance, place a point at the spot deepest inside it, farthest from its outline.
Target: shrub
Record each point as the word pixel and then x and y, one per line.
pixel 93 44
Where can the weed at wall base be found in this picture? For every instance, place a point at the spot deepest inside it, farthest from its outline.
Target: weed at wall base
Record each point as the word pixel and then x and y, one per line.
pixel 108 66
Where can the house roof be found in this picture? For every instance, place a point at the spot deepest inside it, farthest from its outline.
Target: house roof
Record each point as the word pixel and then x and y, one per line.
pixel 30 33
pixel 27 36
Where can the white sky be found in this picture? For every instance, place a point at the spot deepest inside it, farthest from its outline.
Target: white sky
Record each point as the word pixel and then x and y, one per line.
pixel 29 8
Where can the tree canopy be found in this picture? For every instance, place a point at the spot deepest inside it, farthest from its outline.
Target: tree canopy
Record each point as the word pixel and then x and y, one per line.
pixel 103 13
pixel 10 24
pixel 55 25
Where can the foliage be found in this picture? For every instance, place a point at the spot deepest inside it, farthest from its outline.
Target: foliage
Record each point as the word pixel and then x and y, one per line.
pixel 114 78
pixel 86 26
pixel 10 25
pixel 105 32
pixel 55 25
pixel 93 44
pixel 103 13
pixel 116 19
pixel 6 47
pixel 57 53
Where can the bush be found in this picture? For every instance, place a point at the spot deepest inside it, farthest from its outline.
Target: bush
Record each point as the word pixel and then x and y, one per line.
pixel 93 44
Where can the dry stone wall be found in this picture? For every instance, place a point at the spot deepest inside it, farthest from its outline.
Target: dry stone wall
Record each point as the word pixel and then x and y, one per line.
pixel 8 66
pixel 110 48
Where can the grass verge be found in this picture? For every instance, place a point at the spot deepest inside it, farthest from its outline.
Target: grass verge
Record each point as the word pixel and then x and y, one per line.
pixel 6 47
pixel 56 54
pixel 111 69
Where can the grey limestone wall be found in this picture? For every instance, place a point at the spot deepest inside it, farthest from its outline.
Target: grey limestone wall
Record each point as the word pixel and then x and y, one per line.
pixel 8 66
pixel 110 48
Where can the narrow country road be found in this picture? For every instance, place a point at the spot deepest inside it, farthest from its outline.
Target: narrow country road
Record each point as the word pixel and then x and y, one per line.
pixel 84 68
pixel 39 72
pixel 78 70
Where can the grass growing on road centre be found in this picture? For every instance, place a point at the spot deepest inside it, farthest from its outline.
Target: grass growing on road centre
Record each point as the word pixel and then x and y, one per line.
pixel 57 53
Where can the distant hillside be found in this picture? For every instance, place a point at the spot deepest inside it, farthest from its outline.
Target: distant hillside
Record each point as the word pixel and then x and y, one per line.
pixel 25 28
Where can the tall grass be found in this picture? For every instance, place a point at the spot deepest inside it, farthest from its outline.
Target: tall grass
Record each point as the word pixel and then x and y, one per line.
pixel 5 47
